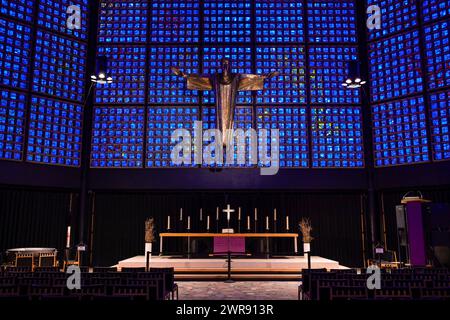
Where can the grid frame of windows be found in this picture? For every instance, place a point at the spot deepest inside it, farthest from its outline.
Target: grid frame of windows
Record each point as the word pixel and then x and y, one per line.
pixel 440 125
pixel 12 124
pixel 55 132
pixel 400 133
pixel 435 9
pixel 118 134
pixel 292 123
pixel 337 137
pixel 22 10
pixel 161 122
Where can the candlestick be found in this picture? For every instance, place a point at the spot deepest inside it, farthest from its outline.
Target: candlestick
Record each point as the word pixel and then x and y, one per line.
pixel 287 223
pixel 189 223
pixel 207 222
pixel 168 222
pixel 248 222
pixel 275 214
pixel 68 237
pixel 256 214
pixel 267 222
pixel 181 214
pixel 239 214
pixel 217 213
pixel 201 214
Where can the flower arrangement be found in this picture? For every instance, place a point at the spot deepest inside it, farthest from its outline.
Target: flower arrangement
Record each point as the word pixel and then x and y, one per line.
pixel 149 230
pixel 305 229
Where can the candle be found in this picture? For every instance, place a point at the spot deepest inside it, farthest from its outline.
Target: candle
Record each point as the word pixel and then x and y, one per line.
pixel 275 214
pixel 256 214
pixel 287 222
pixel 168 222
pixel 181 214
pixel 267 222
pixel 68 237
pixel 248 222
pixel 207 222
pixel 239 214
pixel 189 223
pixel 217 213
pixel 201 214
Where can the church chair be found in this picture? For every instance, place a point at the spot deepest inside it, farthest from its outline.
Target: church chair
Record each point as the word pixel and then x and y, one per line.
pixel 160 278
pixel 46 269
pixel 24 260
pixel 47 260
pixel 89 292
pixel 130 292
pixel 348 293
pixel 104 269
pixel 9 291
pixel 169 274
pixel 7 281
pixel 393 294
pixel 46 292
pixel 435 294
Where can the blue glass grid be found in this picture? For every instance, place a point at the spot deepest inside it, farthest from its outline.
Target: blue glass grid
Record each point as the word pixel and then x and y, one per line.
pixel 122 21
pixel 394 67
pixel 290 85
pixel 161 122
pixel 118 137
pixel 241 62
pixel 127 66
pixel 54 134
pixel 227 21
pixel 175 21
pixel 12 124
pixel 14 54
pixel 279 21
pixel 435 9
pixel 396 16
pixel 440 125
pixel 243 119
pixel 59 66
pixel 292 123
pixel 52 14
pixel 337 137
pixel 399 132
pixel 22 10
pixel 331 21
pixel 165 87
pixel 437 50
pixel 328 70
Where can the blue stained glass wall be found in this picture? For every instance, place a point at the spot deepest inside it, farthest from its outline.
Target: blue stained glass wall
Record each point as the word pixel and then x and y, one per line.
pixel 328 70
pixel 122 21
pixel 292 123
pixel 59 66
pixel 22 10
pixel 290 85
pixel 331 21
pixel 437 45
pixel 15 48
pixel 161 122
pixel 435 9
pixel 118 137
pixel 395 67
pixel 440 125
pixel 337 137
pixel 279 21
pixel 227 21
pixel 127 64
pixel 241 62
pixel 12 124
pixel 396 16
pixel 400 134
pixel 164 87
pixel 54 135
pixel 175 21
pixel 52 15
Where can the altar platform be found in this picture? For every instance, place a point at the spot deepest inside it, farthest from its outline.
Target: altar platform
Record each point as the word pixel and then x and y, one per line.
pixel 280 268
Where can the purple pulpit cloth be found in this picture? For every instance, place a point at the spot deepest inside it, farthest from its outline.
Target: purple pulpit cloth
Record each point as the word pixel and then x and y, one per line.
pixel 233 244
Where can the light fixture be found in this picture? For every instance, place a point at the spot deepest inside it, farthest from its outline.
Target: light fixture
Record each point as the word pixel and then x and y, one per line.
pixel 101 71
pixel 353 79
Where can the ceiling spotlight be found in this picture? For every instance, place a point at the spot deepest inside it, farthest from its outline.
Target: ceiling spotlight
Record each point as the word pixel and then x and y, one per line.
pixel 354 79
pixel 348 81
pixel 101 71
pixel 101 76
pixel 358 80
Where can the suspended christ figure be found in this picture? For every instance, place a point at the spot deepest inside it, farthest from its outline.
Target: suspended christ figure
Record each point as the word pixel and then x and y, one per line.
pixel 225 85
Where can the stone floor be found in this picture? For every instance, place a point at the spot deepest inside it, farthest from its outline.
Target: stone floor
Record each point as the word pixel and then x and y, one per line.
pixel 244 290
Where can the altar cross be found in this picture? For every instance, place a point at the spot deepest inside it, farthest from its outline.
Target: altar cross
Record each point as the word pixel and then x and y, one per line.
pixel 228 210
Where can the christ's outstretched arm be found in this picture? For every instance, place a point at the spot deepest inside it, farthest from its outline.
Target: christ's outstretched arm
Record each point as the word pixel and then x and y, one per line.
pixel 194 81
pixel 252 82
